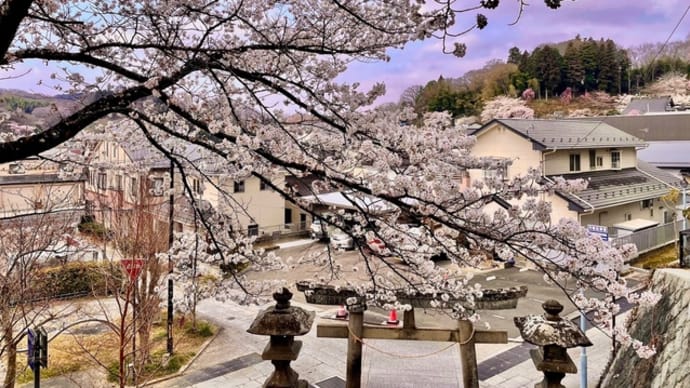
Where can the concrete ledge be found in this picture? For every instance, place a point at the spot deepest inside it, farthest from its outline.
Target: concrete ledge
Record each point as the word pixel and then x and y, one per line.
pixel 492 299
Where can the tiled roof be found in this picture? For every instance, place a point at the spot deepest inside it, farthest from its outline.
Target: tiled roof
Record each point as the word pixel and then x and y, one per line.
pixel 668 126
pixel 570 134
pixel 617 187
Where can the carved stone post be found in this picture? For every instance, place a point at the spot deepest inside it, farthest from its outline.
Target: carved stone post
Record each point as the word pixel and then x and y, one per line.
pixel 554 335
pixel 283 322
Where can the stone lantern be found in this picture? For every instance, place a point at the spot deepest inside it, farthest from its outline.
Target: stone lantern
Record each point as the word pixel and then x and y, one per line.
pixel 554 335
pixel 282 322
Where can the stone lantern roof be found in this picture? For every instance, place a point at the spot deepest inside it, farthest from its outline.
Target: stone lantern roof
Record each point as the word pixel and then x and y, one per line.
pixel 282 319
pixel 550 329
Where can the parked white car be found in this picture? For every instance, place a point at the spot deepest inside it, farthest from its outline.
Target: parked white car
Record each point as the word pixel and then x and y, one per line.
pixel 318 229
pixel 341 240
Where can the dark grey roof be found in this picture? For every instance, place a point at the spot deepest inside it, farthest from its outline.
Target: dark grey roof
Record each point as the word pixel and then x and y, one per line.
pixel 25 179
pixel 649 105
pixel 653 127
pixel 666 154
pixel 618 187
pixel 570 134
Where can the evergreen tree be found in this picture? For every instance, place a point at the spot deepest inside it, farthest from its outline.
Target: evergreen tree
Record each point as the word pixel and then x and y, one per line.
pixel 590 63
pixel 608 79
pixel 514 56
pixel 574 70
pixel 548 65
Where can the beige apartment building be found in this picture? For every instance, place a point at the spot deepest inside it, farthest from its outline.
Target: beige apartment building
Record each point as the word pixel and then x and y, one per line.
pixel 36 186
pixel 623 193
pixel 122 174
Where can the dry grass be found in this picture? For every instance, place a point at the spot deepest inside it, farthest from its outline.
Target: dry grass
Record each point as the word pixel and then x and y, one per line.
pixel 547 108
pixel 659 258
pixel 70 353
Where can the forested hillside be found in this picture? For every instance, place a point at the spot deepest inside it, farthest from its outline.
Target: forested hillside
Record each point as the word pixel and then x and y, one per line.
pixel 582 76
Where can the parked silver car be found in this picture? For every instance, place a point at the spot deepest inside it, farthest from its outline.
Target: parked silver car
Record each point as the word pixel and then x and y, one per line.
pixel 341 240
pixel 318 229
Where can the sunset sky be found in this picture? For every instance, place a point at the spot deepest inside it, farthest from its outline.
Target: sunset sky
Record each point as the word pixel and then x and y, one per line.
pixel 627 22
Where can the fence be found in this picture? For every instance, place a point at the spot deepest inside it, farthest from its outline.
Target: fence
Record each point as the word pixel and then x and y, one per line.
pixel 275 232
pixel 652 238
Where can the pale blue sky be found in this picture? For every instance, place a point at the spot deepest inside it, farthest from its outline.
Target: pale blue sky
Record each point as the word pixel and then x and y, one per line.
pixel 627 22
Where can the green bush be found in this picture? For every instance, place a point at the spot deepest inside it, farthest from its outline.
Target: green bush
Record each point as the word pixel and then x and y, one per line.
pixel 94 229
pixel 79 278
pixel 203 329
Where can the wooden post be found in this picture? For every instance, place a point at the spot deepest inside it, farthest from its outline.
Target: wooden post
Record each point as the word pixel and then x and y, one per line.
pixel 408 320
pixel 353 375
pixel 468 354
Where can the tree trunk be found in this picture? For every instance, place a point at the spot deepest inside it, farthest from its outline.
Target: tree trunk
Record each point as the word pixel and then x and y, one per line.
pixel 11 349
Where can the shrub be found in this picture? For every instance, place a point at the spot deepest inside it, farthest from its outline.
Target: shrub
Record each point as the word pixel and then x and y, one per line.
pixel 79 278
pixel 94 229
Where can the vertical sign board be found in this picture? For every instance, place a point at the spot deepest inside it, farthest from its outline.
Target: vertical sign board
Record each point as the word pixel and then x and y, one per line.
pixel 598 230
pixel 133 267
pixel 31 337
pixel 43 348
pixel 37 352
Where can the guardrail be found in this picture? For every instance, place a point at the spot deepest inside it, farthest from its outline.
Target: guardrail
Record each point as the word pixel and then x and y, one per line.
pixel 652 238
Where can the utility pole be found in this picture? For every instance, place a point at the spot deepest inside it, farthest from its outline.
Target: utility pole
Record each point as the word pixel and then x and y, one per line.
pixel 171 199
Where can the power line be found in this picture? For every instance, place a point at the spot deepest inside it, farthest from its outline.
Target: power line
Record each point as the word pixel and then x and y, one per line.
pixel 663 46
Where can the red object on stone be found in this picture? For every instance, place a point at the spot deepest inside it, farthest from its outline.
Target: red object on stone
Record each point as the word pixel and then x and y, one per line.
pixel 393 318
pixel 341 313
pixel 133 267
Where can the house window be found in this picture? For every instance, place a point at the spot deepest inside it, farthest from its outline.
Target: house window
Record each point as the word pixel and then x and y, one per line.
pixel 288 218
pixel 615 159
pixel 600 161
pixel 238 187
pixel 196 186
pixel 253 230
pixel 118 182
pixel 263 186
pixel 102 182
pixel 574 162
pixel 496 173
pixel 592 159
pixel 302 221
pixel 627 217
pixel 133 186
pixel 647 203
pixel 157 186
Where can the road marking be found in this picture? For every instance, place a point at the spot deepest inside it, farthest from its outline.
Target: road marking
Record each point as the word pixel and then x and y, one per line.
pixel 490 278
pixel 498 316
pixel 537 300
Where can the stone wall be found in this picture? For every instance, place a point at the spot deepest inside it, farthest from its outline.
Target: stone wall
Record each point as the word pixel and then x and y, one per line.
pixel 667 324
pixel 492 299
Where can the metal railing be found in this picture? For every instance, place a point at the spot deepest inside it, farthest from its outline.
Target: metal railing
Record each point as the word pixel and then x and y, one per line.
pixel 652 238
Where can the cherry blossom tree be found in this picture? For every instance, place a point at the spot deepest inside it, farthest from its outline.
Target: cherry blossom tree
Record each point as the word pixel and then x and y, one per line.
pixel 253 84
pixel 506 108
pixel 26 244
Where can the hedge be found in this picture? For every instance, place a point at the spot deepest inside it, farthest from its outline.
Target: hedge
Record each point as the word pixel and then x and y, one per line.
pixel 79 278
